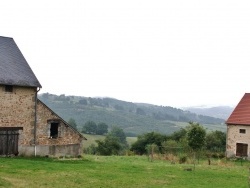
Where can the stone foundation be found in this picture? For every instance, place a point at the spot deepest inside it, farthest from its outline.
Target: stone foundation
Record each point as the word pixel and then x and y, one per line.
pixel 72 150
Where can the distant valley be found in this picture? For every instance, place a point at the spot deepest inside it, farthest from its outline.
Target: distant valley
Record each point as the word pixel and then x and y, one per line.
pixel 134 118
pixel 222 112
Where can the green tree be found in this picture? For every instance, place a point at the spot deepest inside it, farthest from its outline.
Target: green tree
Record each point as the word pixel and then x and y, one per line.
pixel 109 146
pixel 216 141
pixel 72 122
pixel 89 127
pixel 102 128
pixel 140 145
pixel 114 143
pixel 83 101
pixel 118 133
pixel 196 136
pixel 179 135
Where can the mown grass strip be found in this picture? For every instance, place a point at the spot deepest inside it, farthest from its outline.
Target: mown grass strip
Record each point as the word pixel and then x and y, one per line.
pixel 118 171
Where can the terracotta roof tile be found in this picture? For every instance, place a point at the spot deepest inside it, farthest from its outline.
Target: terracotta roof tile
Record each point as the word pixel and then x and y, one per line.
pixel 241 113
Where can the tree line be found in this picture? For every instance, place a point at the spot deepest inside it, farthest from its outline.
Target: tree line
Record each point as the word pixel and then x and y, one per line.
pixel 191 139
pixel 115 142
pixel 90 127
pixel 190 143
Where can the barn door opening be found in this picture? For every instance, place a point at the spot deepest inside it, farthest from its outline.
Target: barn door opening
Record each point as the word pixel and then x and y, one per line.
pixel 9 140
pixel 241 150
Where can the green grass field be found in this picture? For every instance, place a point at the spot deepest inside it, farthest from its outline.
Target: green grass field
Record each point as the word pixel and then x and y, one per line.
pixel 119 171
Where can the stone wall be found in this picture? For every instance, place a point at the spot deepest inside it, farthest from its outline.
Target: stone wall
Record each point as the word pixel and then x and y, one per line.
pixel 71 150
pixel 67 136
pixel 234 136
pixel 18 110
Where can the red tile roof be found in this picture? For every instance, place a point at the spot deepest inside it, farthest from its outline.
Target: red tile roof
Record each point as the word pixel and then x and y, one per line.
pixel 241 113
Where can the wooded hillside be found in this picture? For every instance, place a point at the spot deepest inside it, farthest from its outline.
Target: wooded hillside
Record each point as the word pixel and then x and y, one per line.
pixel 134 118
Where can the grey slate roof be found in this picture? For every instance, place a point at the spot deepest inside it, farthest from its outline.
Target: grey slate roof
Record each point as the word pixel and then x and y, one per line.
pixel 14 69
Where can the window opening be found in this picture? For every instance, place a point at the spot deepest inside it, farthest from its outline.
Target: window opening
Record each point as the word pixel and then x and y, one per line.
pixel 243 131
pixel 8 88
pixel 241 149
pixel 54 130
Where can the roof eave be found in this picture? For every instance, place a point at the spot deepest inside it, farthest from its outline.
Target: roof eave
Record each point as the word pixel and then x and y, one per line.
pixel 230 123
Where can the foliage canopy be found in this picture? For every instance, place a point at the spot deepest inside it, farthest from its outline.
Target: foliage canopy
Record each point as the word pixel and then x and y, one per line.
pixel 72 122
pixel 90 127
pixel 113 144
pixel 139 147
pixel 196 136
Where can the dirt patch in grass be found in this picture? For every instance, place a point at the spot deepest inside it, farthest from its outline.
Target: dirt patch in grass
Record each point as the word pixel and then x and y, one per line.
pixel 13 182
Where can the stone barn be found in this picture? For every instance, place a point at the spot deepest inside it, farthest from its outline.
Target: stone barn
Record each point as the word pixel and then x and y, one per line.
pixel 238 130
pixel 27 126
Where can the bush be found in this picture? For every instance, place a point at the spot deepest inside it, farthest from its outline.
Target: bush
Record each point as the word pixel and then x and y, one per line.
pixel 130 153
pixel 90 150
pixel 139 147
pixel 170 157
pixel 109 146
pixel 219 155
pixel 183 159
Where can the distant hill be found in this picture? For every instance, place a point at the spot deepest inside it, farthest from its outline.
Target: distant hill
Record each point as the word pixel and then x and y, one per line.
pixel 222 112
pixel 134 118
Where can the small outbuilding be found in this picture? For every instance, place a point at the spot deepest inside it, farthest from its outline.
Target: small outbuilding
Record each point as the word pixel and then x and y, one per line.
pixel 238 130
pixel 27 125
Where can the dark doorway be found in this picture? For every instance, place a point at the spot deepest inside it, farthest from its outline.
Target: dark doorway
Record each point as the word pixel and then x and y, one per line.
pixel 54 130
pixel 9 140
pixel 241 150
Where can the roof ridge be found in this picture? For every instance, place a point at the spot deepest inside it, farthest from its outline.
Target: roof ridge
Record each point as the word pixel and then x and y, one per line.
pixel 6 37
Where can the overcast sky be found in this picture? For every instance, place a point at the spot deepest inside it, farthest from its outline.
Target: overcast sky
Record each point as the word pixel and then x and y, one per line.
pixel 172 53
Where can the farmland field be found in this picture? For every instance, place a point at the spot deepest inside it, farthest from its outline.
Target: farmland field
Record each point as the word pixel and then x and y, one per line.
pixel 120 171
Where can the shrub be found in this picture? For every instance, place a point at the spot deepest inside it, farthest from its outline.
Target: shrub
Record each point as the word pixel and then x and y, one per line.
pixel 183 159
pixel 90 150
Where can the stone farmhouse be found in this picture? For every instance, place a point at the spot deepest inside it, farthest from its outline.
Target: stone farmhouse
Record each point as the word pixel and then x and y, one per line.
pixel 27 126
pixel 238 130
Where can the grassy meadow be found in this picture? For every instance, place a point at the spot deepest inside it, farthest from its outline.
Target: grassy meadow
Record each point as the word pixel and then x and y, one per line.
pixel 120 171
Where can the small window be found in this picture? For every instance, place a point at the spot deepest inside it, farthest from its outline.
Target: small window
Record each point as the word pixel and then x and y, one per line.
pixel 54 130
pixel 8 88
pixel 243 131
